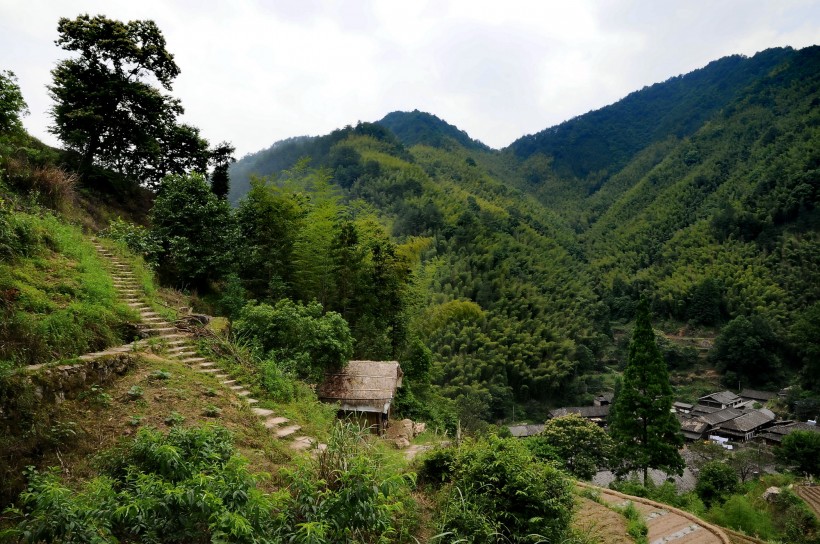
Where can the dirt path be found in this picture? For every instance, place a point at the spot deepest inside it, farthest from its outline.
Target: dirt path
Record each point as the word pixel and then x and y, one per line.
pixel 600 523
pixel 179 346
pixel 666 524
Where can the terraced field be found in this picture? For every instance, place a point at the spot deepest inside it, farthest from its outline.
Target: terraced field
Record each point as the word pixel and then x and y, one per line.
pixel 810 494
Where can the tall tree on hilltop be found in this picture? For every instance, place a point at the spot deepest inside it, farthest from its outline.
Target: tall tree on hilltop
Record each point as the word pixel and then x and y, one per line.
pixel 107 108
pixel 221 158
pixel 646 432
pixel 12 105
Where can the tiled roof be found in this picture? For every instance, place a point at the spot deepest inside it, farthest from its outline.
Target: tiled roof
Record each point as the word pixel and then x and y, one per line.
pixel 716 418
pixel 723 397
pixel 747 422
pixel 754 394
pixel 521 431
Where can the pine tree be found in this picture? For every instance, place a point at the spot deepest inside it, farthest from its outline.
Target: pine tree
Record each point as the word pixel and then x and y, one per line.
pixel 644 428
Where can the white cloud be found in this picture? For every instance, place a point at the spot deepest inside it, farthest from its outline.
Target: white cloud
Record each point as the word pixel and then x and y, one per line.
pixel 254 72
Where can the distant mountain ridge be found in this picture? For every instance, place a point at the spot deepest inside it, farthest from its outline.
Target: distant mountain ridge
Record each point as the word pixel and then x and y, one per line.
pixel 418 127
pixel 607 138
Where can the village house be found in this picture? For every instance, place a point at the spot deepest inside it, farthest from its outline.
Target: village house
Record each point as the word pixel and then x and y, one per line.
pixel 682 407
pixel 364 390
pixel 744 427
pixel 774 435
pixel 721 399
pixel 523 431
pixel 596 414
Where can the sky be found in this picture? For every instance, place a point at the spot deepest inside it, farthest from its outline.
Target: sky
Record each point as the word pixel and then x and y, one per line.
pixel 255 72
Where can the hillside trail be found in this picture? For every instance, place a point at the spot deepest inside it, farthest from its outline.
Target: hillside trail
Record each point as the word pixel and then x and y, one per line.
pixel 180 347
pixel 665 523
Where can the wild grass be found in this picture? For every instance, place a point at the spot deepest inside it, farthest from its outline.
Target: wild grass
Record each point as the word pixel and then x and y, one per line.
pixel 56 298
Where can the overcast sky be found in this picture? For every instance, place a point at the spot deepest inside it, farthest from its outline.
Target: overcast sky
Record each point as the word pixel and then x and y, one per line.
pixel 254 72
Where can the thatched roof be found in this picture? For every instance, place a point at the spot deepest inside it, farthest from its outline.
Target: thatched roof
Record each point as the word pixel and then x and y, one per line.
pixel 366 386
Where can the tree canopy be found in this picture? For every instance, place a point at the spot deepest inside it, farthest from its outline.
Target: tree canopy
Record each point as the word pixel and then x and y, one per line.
pixel 194 230
pixel 646 432
pixel 108 107
pixel 12 104
pixel 580 445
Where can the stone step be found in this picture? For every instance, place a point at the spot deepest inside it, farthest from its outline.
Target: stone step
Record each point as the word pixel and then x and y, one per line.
pixel 174 335
pixel 159 330
pixel 228 382
pixel 206 364
pixel 192 360
pixel 287 431
pixel 301 443
pixel 250 400
pixel 221 376
pixel 262 412
pixel 209 371
pixel 243 393
pixel 272 422
pixel 236 387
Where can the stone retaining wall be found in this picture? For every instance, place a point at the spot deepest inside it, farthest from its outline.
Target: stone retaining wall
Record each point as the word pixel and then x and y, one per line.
pixel 59 382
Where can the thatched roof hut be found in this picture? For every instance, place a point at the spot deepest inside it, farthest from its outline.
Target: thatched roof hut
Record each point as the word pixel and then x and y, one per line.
pixel 363 388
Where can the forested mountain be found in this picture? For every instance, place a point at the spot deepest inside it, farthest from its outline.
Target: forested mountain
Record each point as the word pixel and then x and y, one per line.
pixel 698 193
pixel 418 127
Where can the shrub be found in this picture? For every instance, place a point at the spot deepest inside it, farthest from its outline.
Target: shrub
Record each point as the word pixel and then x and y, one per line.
pixel 298 335
pixel 716 481
pixel 499 491
pixel 346 494
pixel 801 450
pixel 738 513
pixel 581 446
pixel 189 486
pixel 136 238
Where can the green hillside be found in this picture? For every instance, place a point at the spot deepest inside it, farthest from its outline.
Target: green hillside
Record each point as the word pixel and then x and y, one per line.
pixel 698 192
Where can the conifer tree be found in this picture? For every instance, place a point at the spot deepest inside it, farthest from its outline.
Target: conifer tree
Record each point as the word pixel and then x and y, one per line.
pixel 646 432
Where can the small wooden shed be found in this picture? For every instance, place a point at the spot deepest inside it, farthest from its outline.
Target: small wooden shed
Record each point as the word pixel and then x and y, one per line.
pixel 364 390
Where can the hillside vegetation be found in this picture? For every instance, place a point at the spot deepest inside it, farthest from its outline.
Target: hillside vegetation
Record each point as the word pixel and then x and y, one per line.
pixel 699 192
pixel 504 282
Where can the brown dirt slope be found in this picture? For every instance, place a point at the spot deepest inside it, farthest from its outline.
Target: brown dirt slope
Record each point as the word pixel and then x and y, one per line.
pixel 665 523
pixel 599 523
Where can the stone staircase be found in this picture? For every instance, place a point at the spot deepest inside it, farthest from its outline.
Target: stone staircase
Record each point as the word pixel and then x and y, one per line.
pixel 178 345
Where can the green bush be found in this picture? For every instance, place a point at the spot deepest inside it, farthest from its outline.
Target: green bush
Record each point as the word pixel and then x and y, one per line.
pixel 189 486
pixel 346 493
pixel 801 450
pixel 194 230
pixel 740 514
pixel 297 335
pixel 498 492
pixel 716 482
pixel 136 238
pixel 278 383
